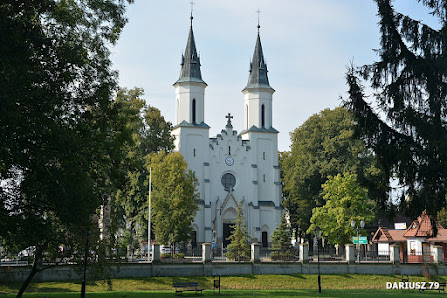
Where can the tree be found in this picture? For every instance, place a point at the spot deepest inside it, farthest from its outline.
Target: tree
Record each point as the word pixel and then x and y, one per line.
pixel 324 146
pixel 407 126
pixel 345 200
pixel 150 133
pixel 441 216
pixel 56 122
pixel 282 240
pixel 238 249
pixel 173 197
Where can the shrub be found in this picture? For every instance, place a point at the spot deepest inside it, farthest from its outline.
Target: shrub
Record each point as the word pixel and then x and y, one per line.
pixel 165 255
pixel 179 256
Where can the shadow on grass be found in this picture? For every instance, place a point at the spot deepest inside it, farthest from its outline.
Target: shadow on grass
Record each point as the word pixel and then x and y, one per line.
pixel 300 276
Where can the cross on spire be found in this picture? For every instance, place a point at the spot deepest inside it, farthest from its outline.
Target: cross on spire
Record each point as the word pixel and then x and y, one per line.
pixel 229 117
pixel 259 14
pixel 192 6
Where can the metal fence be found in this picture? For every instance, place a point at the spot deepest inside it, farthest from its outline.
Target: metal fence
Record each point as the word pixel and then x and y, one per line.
pixel 376 256
pixel 327 254
pixel 415 256
pixel 277 255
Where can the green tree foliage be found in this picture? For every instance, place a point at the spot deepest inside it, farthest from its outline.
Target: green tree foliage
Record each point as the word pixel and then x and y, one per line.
pixel 325 146
pixel 150 133
pixel 238 249
pixel 57 121
pixel 441 216
pixel 173 197
pixel 345 200
pixel 406 128
pixel 281 240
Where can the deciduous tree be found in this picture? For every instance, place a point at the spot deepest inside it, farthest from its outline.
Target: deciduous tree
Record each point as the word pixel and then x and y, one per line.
pixel 173 197
pixel 345 201
pixel 56 121
pixel 150 133
pixel 324 146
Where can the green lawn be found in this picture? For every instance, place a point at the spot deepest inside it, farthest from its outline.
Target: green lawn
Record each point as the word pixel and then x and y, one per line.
pixel 242 293
pixel 346 285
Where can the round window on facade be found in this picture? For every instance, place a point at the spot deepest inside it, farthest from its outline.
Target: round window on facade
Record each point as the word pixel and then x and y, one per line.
pixel 228 181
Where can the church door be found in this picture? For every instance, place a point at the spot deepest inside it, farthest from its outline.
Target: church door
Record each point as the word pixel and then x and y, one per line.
pixel 227 230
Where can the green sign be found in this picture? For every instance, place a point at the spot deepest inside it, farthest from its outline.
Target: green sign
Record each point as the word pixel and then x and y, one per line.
pixel 363 240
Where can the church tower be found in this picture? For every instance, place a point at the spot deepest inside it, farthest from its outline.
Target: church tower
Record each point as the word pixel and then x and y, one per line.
pixel 263 139
pixel 190 88
pixel 190 130
pixel 258 93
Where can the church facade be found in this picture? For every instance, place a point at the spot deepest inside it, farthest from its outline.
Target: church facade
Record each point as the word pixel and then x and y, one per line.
pixel 231 167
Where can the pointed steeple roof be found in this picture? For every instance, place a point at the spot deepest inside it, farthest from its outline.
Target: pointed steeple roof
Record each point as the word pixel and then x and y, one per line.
pixel 190 71
pixel 258 69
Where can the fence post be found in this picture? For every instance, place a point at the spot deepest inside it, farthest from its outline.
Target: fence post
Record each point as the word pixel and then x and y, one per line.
pixel 304 252
pixel 255 252
pixel 155 253
pixel 206 252
pixel 394 254
pixel 437 254
pixel 350 255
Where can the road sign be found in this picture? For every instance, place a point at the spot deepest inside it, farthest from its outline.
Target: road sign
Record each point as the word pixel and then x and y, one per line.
pixel 363 240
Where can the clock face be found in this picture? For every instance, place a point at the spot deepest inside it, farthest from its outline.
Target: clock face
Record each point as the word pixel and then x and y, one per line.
pixel 229 160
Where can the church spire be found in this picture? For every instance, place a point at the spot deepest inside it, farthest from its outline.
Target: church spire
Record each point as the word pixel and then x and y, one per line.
pixel 258 68
pixel 190 71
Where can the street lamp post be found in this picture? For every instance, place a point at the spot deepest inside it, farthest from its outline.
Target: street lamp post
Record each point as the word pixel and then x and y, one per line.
pixel 358 227
pixel 317 232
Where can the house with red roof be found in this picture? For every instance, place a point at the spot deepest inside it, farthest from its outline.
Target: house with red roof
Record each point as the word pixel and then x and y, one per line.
pixel 416 242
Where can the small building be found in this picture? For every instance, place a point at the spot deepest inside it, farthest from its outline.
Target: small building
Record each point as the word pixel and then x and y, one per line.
pixel 416 243
pixel 385 237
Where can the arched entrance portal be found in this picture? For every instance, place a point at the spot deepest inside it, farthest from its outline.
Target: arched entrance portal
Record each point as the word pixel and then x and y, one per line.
pixel 228 218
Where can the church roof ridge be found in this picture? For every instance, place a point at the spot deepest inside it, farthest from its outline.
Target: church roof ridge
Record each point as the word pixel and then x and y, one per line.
pixel 190 70
pixel 258 77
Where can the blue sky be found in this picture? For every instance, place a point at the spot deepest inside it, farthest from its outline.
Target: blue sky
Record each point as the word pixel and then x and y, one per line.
pixel 307 45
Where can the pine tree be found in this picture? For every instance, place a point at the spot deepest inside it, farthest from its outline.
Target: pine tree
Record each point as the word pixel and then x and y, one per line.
pixel 239 248
pixel 281 239
pixel 406 123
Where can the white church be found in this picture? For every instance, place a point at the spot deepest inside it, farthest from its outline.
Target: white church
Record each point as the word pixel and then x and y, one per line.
pixel 231 167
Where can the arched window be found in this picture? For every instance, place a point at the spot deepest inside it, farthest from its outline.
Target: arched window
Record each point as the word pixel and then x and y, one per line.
pixel 263 116
pixel 194 110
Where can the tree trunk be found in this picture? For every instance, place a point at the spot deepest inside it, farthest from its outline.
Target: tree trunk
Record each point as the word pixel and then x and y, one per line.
pixel 34 270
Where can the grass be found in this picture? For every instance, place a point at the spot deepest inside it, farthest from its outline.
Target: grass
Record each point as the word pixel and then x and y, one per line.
pixel 301 285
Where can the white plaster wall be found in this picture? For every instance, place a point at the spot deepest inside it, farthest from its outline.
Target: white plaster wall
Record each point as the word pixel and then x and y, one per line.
pixel 254 99
pixel 185 93
pixel 383 249
pixel 418 244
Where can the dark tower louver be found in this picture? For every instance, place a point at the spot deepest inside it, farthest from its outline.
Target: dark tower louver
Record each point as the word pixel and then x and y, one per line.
pixel 258 69
pixel 190 71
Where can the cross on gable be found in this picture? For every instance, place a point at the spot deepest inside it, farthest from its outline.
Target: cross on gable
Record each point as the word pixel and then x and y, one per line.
pixel 229 117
